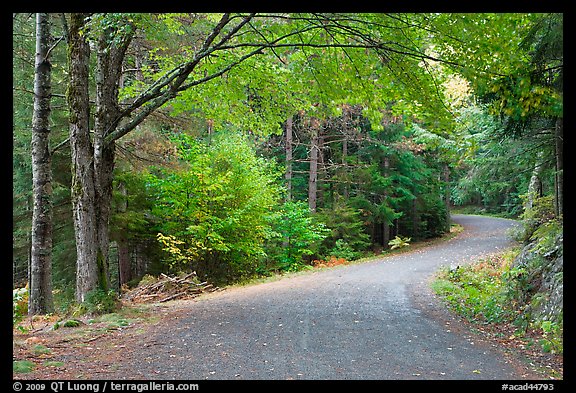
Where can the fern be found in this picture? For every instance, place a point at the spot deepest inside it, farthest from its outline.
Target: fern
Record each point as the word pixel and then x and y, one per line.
pixel 399 242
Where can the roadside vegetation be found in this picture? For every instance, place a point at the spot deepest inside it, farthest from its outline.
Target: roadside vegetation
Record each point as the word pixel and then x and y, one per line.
pixel 516 296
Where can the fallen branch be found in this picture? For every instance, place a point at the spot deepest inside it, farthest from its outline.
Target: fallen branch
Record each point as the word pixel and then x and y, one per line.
pixel 166 288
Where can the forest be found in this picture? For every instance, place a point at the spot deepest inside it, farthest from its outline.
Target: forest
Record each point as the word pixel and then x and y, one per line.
pixel 244 145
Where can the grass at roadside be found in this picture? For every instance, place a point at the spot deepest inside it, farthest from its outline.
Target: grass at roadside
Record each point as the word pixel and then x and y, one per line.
pixel 483 293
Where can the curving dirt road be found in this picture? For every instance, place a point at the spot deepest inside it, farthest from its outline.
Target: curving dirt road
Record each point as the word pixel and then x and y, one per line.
pixel 375 320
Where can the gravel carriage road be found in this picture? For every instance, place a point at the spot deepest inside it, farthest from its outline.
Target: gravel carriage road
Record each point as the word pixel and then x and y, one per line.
pixel 374 320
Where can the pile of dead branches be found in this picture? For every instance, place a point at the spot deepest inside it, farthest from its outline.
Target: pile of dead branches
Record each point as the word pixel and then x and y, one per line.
pixel 165 288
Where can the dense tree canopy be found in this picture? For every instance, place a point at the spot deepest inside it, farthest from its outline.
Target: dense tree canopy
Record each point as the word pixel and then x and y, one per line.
pixel 244 144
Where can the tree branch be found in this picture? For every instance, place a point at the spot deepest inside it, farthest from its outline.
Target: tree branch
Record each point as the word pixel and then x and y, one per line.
pixel 174 81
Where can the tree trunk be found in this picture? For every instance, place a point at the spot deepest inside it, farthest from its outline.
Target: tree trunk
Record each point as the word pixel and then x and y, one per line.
pixel 289 159
pixel 83 193
pixel 40 275
pixel 124 262
pixel 141 260
pixel 446 175
pixel 559 134
pixel 93 161
pixel 110 57
pixel 535 185
pixel 345 167
pixel 415 217
pixel 313 175
pixel 386 225
pixel 346 116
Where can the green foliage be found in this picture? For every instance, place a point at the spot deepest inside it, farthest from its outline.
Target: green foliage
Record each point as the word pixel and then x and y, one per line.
pixel 345 223
pixel 518 286
pixel 99 301
pixel 19 304
pixel 177 259
pixel 71 323
pixel 120 25
pixel 493 291
pixel 399 242
pixel 539 222
pixel 533 88
pixel 432 217
pixel 497 169
pixel 23 366
pixel 40 349
pixel 130 204
pixel 524 99
pixel 213 215
pixel 219 212
pixel 293 235
pixel 546 235
pixel 411 186
pixel 552 334
pixel 343 250
pixel 519 292
pixel 113 320
pixel 476 291
pixel 23 81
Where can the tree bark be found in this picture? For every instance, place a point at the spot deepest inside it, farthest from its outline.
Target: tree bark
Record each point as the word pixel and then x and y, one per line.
pixel 559 134
pixel 124 261
pixel 93 159
pixel 346 116
pixel 313 175
pixel 289 123
pixel 386 225
pixel 446 175
pixel 83 193
pixel 40 276
pixel 109 61
pixel 345 167
pixel 535 185
pixel 415 217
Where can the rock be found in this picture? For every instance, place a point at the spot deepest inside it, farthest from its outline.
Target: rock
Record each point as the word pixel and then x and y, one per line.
pixel 544 291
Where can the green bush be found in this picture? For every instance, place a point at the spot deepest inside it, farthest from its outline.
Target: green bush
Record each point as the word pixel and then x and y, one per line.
pixel 552 336
pixel 71 323
pixel 343 250
pixel 345 224
pixel 293 235
pixel 19 304
pixel 99 301
pixel 475 291
pixel 213 214
pixel 542 213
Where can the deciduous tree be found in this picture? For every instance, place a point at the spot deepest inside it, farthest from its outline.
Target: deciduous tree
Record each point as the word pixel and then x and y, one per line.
pixel 40 299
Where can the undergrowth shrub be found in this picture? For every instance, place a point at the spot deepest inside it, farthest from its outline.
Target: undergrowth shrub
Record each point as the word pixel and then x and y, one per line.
pixel 399 242
pixel 493 291
pixel 343 250
pixel 99 302
pixel 19 304
pixel 293 238
pixel 475 291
